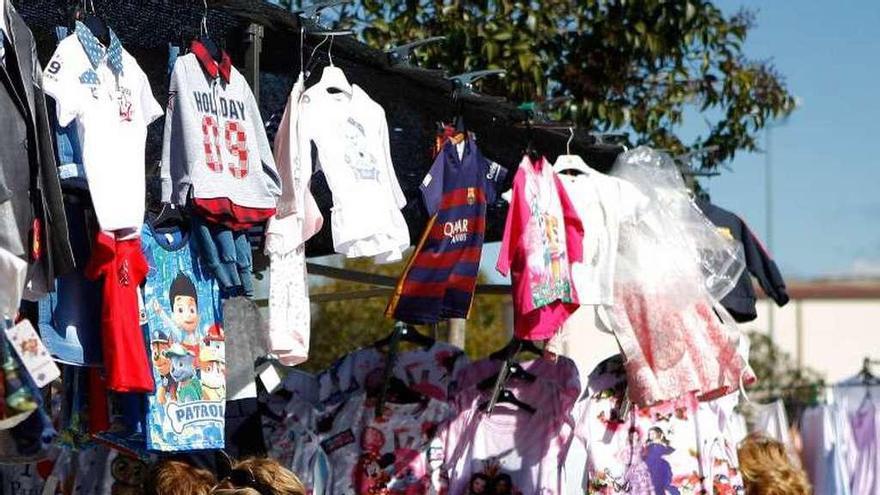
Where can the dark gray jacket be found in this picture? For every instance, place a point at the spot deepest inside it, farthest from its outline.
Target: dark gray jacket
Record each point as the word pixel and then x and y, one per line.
pixel 29 185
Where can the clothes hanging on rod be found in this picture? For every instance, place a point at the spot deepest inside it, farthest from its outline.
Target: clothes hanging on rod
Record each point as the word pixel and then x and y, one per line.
pixel 510 448
pixel 740 302
pixel 439 280
pixel 187 341
pixel 677 446
pixel 350 132
pixel 33 226
pixel 109 97
pixel 543 236
pixel 296 221
pixel 672 268
pixel 604 204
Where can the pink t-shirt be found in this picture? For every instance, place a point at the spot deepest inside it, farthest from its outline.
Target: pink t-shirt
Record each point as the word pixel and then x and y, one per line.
pixel 543 236
pixel 562 373
pixel 510 451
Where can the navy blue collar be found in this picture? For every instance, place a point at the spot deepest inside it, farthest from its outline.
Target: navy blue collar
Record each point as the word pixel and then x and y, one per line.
pixel 95 50
pixel 452 149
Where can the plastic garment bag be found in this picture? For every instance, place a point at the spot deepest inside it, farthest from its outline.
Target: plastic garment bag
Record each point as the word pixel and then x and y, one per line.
pixel 673 267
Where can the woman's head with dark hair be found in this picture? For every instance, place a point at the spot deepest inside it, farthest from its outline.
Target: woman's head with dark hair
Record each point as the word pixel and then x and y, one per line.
pixel 502 485
pixel 479 484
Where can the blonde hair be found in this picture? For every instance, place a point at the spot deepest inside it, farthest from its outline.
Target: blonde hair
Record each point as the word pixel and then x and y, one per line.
pixel 768 470
pixel 275 478
pixel 178 478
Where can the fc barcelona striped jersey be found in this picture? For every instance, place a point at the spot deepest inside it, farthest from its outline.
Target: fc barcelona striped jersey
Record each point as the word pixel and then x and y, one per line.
pixel 440 278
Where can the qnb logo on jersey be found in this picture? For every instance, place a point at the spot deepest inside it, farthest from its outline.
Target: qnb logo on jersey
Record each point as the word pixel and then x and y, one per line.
pixel 456 231
pixel 219 106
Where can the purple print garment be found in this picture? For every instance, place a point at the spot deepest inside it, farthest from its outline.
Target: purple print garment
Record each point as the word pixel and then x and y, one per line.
pixel 866 470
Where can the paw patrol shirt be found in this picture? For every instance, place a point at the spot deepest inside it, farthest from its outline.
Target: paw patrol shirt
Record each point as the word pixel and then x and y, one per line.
pixel 187 344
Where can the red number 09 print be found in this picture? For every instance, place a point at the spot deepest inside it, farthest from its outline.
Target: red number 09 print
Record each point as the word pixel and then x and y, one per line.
pixel 235 138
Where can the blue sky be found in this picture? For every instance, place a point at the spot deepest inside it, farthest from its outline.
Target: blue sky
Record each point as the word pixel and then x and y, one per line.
pixel 826 215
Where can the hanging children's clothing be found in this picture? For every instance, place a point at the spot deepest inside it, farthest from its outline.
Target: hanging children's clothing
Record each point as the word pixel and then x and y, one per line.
pixel 828 449
pixel 672 268
pixel 510 450
pixel 351 135
pixel 107 94
pixel 244 328
pixel 297 220
pixel 122 267
pixel 188 346
pixel 32 222
pixel 216 156
pixel 440 278
pixel 603 203
pixel 856 403
pixel 70 317
pixel 670 447
pixel 387 454
pixel 740 302
pixel 289 429
pixel 543 236
pixel 432 372
pixel 215 150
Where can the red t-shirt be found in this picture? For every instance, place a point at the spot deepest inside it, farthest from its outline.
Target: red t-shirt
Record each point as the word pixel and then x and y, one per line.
pixel 123 267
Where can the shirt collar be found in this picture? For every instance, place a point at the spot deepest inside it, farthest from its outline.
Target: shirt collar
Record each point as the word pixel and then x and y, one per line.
pixel 95 50
pixel 223 69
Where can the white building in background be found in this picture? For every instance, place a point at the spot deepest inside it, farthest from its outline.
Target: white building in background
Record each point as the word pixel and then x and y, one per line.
pixel 830 326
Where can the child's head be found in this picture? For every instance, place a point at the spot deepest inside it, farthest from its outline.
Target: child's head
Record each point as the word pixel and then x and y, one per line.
pixel 178 478
pixel 260 476
pixel 184 303
pixel 767 468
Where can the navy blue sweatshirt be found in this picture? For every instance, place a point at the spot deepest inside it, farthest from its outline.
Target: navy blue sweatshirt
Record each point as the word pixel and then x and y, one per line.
pixel 741 300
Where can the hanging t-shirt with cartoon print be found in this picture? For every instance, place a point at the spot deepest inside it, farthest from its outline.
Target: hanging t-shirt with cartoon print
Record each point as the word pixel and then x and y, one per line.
pixel 652 449
pixel 381 455
pixel 188 351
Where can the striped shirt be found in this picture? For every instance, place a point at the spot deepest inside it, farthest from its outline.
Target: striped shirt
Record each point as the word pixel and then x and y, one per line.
pixel 440 278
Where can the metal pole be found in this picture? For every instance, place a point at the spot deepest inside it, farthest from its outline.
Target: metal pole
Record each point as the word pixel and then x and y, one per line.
pixel 768 199
pixel 457 333
pixel 252 58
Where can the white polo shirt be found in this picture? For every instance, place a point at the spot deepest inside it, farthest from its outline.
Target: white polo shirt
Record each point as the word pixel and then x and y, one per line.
pixel 108 95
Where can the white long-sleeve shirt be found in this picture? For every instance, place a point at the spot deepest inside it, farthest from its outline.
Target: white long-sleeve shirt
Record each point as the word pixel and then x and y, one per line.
pixel 351 136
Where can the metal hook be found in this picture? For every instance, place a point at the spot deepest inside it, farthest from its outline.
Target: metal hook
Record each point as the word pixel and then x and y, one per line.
pixel 330 51
pixel 570 139
pixel 302 46
pixel 204 29
pixel 312 55
pixel 327 35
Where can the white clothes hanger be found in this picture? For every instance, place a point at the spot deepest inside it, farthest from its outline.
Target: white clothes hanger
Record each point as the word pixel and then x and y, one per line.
pixel 332 77
pixel 569 162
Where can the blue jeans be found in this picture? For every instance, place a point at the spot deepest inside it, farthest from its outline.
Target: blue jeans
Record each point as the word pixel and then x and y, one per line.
pixel 227 254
